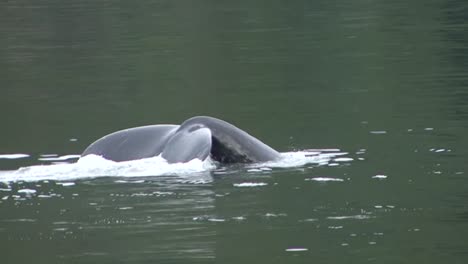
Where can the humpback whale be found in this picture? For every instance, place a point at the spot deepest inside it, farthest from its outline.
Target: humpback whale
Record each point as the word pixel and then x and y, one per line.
pixel 199 137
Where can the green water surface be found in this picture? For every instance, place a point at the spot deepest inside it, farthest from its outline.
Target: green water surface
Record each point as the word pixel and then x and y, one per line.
pixel 385 81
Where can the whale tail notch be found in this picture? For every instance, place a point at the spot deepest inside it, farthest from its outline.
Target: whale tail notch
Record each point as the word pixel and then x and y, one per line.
pixel 188 144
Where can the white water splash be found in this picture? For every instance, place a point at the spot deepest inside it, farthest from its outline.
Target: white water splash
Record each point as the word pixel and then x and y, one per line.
pixel 301 158
pixel 27 191
pixel 343 159
pixel 250 184
pixel 296 249
pixel 13 156
pixel 65 184
pixel 344 217
pixel 324 179
pixel 93 166
pixel 60 158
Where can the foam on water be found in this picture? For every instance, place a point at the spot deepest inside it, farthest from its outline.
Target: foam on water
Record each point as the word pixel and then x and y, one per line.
pixel 296 249
pixel 301 158
pixel 344 217
pixel 250 184
pixel 93 166
pixel 379 176
pixel 324 179
pixel 60 158
pixel 13 156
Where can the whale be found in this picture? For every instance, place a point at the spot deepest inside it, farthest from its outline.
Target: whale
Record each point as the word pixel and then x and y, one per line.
pixel 200 137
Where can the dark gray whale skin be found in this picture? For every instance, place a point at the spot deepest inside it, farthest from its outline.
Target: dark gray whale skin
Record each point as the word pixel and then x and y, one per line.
pixel 198 137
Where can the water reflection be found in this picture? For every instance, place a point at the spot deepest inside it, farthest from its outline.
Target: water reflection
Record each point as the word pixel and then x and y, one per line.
pixel 96 220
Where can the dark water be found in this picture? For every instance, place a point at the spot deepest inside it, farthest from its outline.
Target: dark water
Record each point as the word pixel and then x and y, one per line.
pixel 385 81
